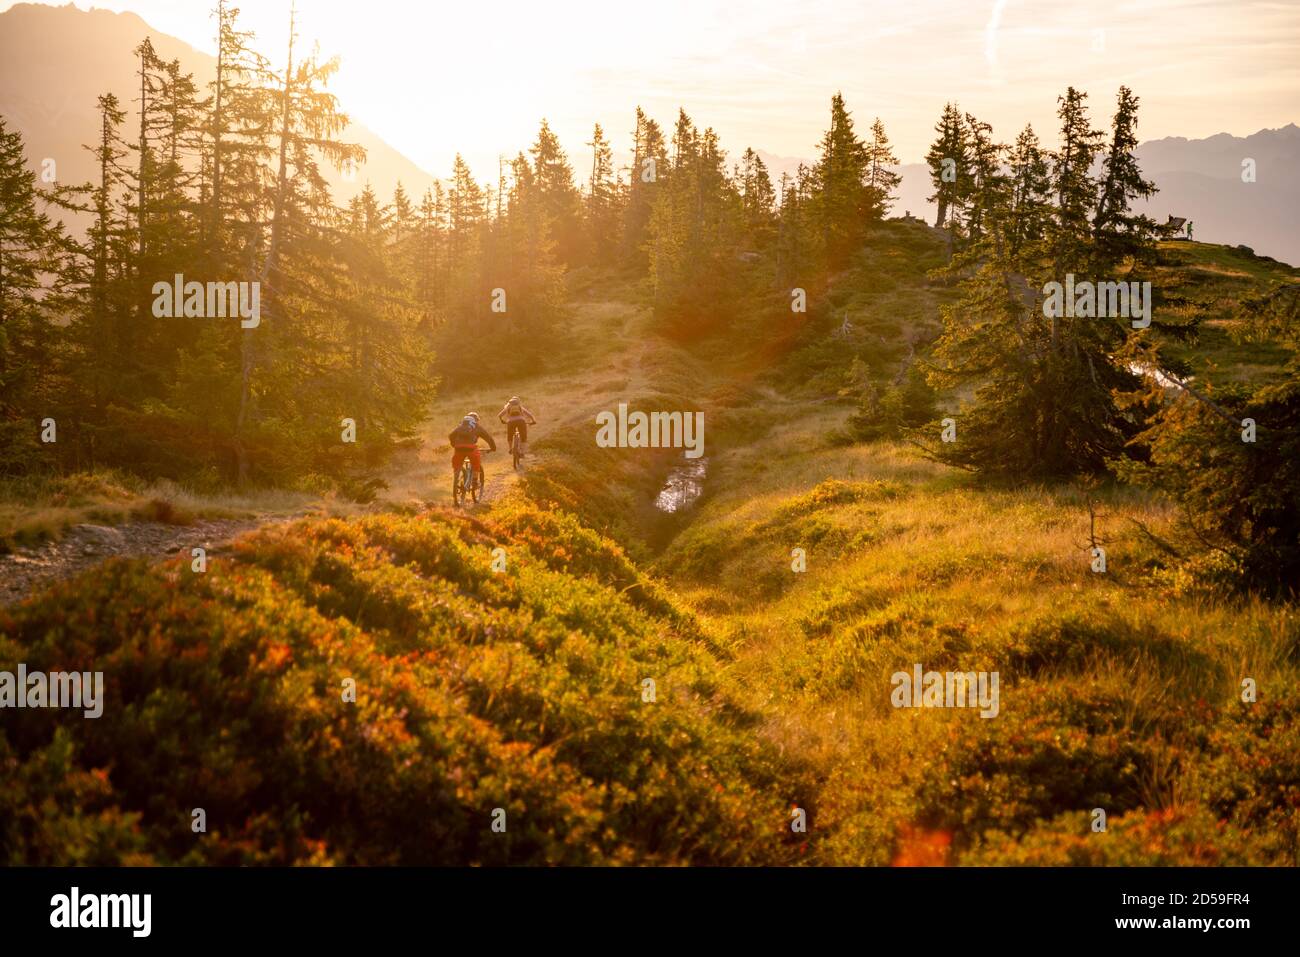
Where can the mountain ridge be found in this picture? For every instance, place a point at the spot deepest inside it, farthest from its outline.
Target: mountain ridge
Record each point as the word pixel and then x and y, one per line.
pixel 1198 179
pixel 53 104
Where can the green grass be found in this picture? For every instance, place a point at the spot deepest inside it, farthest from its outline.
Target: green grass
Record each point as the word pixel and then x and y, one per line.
pixel 476 689
pixel 522 689
pixel 1206 283
pixel 1119 691
pixel 41 508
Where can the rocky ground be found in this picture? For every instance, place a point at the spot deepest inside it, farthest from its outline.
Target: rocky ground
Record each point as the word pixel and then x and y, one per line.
pixel 83 546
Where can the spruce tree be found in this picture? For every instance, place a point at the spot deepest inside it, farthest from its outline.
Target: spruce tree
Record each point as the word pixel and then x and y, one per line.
pixel 949 162
pixel 27 243
pixel 840 202
pixel 1031 205
pixel 983 192
pixel 649 164
pixel 1073 186
pixel 1119 233
pixel 757 198
pixel 1045 382
pixel 559 199
pixel 882 182
pixel 602 212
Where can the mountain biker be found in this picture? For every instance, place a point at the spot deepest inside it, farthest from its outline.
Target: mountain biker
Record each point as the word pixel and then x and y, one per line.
pixel 516 419
pixel 464 441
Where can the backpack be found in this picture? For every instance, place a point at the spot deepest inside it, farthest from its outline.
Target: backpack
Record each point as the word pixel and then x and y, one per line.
pixel 465 434
pixel 515 408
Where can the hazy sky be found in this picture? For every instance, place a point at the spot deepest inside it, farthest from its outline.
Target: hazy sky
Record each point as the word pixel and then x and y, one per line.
pixel 433 78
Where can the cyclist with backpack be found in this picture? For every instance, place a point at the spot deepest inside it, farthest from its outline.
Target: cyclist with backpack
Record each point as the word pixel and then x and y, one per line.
pixel 464 442
pixel 516 419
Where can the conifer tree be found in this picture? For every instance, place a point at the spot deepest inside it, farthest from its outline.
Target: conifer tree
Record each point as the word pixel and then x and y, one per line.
pixel 26 331
pixel 1119 233
pixel 1073 187
pixel 757 198
pixel 649 164
pixel 602 212
pixel 796 238
pixel 840 202
pixel 1031 206
pixel 882 182
pixel 559 199
pixel 984 189
pixel 693 236
pixel 949 162
pixel 1045 382
pixel 429 258
pixel 1227 454
pixel 102 321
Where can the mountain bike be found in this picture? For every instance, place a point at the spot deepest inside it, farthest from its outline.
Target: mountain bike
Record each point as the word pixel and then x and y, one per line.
pixel 467 482
pixel 516 443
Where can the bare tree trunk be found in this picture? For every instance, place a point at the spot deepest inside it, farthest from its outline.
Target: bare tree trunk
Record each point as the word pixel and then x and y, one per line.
pixel 214 217
pixel 247 358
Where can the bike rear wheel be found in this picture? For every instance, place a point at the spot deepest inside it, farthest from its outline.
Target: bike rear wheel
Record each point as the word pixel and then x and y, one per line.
pixel 476 485
pixel 515 446
pixel 462 485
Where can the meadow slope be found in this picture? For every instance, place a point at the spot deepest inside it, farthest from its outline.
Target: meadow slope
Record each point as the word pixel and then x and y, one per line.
pixel 523 686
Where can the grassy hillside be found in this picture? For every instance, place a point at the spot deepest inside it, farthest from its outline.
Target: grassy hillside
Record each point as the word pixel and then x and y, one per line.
pixel 475 690
pixel 523 689
pixel 1119 691
pixel 1205 283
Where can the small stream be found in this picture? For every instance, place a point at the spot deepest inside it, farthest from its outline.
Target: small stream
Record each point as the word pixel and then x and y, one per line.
pixel 1166 379
pixel 684 485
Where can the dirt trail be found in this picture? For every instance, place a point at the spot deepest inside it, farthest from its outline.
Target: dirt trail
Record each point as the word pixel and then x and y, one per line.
pixel 566 398
pixel 420 477
pixel 84 546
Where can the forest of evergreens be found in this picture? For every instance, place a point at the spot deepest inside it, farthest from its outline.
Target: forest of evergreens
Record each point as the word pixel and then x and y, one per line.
pixel 893 400
pixel 366 308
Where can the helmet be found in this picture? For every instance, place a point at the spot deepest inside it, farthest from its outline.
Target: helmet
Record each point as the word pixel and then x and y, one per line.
pixel 472 415
pixel 469 422
pixel 514 400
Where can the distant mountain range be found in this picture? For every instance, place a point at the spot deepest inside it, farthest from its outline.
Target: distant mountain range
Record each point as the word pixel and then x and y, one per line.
pixel 1201 180
pixel 55 61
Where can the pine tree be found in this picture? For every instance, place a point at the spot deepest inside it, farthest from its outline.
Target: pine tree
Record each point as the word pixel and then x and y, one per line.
pixel 465 225
pixel 1031 206
pixel 103 331
pixel 1237 491
pixel 796 240
pixel 693 237
pixel 27 241
pixel 238 134
pixel 307 120
pixel 985 189
pixel 757 198
pixel 649 163
pixel 1072 184
pixel 840 202
pixel 1045 383
pixel 602 212
pixel 433 282
pixel 1120 233
pixel 882 181
pixel 949 162
pixel 559 198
